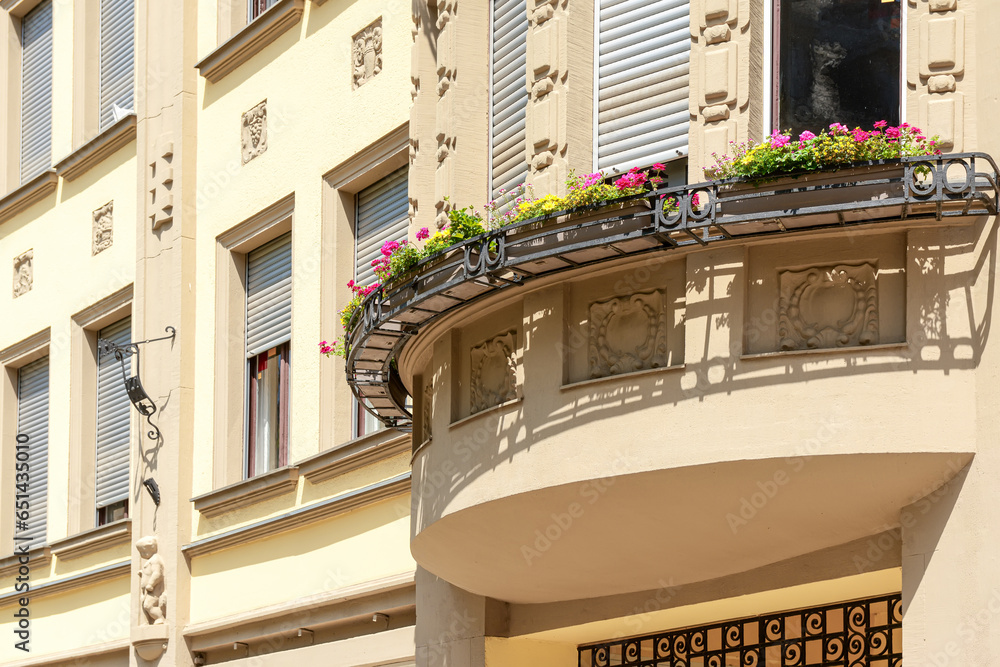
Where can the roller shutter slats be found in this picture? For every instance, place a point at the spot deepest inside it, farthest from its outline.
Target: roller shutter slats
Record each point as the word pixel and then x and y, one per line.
pixel 509 98
pixel 269 295
pixel 382 215
pixel 33 421
pixel 36 91
pixel 643 78
pixel 113 414
pixel 117 57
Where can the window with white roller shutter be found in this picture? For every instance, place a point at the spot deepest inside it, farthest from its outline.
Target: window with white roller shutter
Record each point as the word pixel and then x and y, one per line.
pixel 33 422
pixel 113 428
pixel 508 96
pixel 36 91
pixel 268 331
pixel 382 214
pixel 643 51
pixel 117 58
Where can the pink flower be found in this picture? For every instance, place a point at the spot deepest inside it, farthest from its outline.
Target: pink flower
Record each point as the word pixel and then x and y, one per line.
pixel 778 140
pixel 859 135
pixel 893 132
pixel 880 124
pixel 694 200
pixel 837 128
pixel 350 283
pixel 659 166
pixel 806 136
pixel 633 179
pixel 423 233
pixel 390 247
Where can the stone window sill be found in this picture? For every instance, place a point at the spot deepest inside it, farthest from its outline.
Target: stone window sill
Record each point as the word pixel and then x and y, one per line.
pixel 96 539
pixel 248 491
pixel 354 454
pixel 98 149
pixel 9 564
pixel 30 193
pixel 251 40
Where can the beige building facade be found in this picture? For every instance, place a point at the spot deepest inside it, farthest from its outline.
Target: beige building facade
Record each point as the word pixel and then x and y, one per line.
pixel 760 433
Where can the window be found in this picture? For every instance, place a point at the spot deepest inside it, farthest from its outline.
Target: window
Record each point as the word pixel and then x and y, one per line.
pixel 113 428
pixel 837 62
pixel 258 7
pixel 381 214
pixel 33 422
pixel 642 66
pixel 268 330
pixel 36 91
pixel 509 96
pixel 117 60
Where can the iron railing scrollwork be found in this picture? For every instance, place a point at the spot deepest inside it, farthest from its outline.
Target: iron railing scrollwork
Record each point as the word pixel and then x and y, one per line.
pixel 934 188
pixel 851 634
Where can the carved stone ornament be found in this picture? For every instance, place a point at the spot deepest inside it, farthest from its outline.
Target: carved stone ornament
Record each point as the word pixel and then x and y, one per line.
pixel 367 53
pixel 628 334
pixel 151 583
pixel 828 306
pixel 102 228
pixel 494 372
pixel 254 133
pixel 24 273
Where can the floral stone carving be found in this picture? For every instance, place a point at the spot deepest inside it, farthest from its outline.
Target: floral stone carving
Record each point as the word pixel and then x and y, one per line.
pixel 628 334
pixel 23 273
pixel 828 306
pixel 102 228
pixel 367 53
pixel 254 133
pixel 494 372
pixel 151 582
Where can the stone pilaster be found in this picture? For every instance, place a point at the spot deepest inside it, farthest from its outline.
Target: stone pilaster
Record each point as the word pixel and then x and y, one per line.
pixel 936 69
pixel 548 85
pixel 166 106
pixel 720 80
pixel 423 80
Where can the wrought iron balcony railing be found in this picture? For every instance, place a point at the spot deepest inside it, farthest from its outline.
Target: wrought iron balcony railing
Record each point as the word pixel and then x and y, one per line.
pixel 921 189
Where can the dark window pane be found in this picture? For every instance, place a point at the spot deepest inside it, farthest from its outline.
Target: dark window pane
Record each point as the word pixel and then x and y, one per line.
pixel 838 62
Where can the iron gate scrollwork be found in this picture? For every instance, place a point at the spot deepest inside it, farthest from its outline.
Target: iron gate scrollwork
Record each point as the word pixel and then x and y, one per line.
pixel 862 633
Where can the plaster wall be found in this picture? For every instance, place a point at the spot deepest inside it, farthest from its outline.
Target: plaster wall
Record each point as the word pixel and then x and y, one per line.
pixel 314 124
pixel 73 620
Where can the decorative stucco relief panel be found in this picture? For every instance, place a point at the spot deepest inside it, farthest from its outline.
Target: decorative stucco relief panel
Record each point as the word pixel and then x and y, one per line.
pixel 367 53
pixel 24 274
pixel 254 132
pixel 102 232
pixel 627 334
pixel 828 307
pixel 494 372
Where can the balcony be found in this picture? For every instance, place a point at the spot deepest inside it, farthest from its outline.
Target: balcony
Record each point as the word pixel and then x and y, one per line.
pixel 915 191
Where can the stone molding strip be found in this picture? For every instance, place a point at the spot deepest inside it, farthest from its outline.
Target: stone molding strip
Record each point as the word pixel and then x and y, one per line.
pixel 329 606
pixel 248 491
pixel 96 539
pixel 39 555
pixel 302 516
pixel 354 454
pixel 75 656
pixel 18 8
pixel 88 578
pixel 30 193
pixel 98 149
pixel 249 41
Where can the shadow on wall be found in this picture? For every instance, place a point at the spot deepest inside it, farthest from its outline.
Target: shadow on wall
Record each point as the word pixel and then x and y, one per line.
pixel 938 341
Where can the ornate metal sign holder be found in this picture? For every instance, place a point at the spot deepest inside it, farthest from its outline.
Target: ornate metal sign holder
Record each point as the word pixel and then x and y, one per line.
pixel 140 399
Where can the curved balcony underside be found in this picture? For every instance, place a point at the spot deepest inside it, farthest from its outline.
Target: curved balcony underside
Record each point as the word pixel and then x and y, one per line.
pixel 935 189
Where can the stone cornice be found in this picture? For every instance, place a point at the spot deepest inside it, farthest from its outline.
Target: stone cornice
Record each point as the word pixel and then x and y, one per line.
pixel 301 516
pixel 353 455
pixel 30 193
pixel 88 578
pixel 75 656
pixel 97 149
pixel 392 591
pixel 96 539
pixel 251 40
pixel 38 555
pixel 248 491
